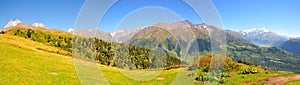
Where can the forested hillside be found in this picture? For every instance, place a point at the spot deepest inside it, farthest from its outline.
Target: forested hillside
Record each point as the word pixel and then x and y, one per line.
pixel 292 45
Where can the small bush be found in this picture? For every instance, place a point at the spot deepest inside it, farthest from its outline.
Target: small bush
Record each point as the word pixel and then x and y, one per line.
pixel 2 32
pixel 248 70
pixel 222 81
pixel 225 74
pixel 204 77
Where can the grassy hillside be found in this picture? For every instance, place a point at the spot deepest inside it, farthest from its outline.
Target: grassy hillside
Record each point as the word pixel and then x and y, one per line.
pixel 22 63
pixel 297 82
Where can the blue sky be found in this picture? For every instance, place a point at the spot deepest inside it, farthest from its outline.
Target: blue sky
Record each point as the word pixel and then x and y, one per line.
pixel 57 14
pixel 281 16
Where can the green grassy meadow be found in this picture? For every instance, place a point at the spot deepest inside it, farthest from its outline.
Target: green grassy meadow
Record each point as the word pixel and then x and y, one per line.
pixel 21 63
pixel 297 82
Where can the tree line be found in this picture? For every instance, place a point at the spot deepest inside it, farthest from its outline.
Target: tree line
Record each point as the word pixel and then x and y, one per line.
pixel 106 53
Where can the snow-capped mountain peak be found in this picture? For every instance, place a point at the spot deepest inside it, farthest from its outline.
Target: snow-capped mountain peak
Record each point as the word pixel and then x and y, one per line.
pixel 12 23
pixel 263 37
pixel 18 23
pixel 117 32
pixel 264 29
pixel 248 31
pixel 254 30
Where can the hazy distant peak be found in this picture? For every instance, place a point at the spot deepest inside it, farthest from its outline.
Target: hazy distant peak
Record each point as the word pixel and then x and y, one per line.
pixel 186 22
pixel 12 23
pixel 251 30
pixel 117 32
pixel 203 25
pixel 18 23
pixel 264 37
pixel 264 29
pixel 254 30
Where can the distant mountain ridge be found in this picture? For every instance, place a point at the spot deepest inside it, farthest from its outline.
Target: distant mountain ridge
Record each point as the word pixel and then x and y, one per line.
pixel 264 37
pixel 18 23
pixel 260 37
pixel 239 46
pixel 292 45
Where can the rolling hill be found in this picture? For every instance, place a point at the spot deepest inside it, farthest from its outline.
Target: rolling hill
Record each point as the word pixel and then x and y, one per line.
pixel 23 63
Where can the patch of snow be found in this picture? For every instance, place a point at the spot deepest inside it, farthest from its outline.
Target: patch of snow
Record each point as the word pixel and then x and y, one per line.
pixel 264 29
pixel 117 32
pixel 254 30
pixel 249 31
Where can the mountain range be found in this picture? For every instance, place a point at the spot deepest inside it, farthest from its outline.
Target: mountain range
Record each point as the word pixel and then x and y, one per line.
pixel 261 37
pixel 264 37
pixel 267 38
pixel 169 37
pixel 292 45
pixel 18 23
pixel 258 46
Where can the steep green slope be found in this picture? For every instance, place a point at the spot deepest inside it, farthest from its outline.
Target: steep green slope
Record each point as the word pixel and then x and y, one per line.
pixel 271 57
pixel 292 45
pixel 238 47
pixel 156 38
pixel 54 38
pixel 21 62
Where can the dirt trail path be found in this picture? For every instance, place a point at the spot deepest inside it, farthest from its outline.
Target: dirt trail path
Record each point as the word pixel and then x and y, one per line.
pixel 280 80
